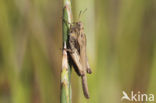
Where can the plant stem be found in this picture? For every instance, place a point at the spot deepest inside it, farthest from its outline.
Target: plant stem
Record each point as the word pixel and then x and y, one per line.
pixel 66 68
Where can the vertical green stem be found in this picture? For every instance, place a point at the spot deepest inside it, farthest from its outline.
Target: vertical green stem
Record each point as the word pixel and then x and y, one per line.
pixel 66 68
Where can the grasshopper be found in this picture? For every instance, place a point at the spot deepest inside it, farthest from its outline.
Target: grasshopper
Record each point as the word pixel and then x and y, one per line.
pixel 77 45
pixel 77 50
pixel 82 41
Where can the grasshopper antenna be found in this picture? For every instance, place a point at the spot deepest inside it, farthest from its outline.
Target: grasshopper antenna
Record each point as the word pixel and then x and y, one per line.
pixel 80 14
pixel 84 11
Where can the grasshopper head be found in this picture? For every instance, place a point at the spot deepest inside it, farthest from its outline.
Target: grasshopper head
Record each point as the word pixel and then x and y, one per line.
pixel 79 24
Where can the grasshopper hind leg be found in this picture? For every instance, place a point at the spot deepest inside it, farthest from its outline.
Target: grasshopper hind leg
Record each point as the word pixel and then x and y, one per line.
pixel 74 66
pixel 76 69
pixel 88 69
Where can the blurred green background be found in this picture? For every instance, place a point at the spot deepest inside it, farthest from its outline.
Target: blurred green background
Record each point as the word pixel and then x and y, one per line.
pixel 121 47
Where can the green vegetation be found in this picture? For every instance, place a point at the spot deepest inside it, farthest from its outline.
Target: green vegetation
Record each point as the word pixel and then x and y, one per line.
pixel 66 92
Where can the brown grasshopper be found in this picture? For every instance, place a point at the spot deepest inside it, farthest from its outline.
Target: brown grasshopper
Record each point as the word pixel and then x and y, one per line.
pixel 77 47
pixel 77 51
pixel 82 41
